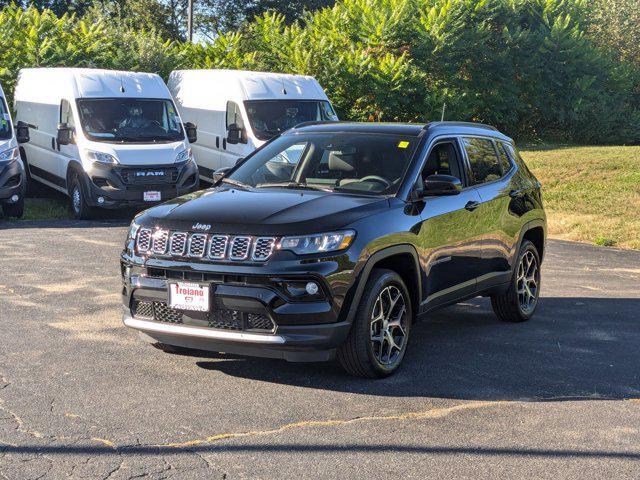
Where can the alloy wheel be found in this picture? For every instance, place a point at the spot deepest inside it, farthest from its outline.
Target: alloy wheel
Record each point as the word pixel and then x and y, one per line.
pixel 528 282
pixel 389 326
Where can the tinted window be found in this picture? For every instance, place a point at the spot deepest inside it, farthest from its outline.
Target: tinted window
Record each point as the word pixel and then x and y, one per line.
pixel 333 161
pixel 271 117
pixel 505 163
pixel 443 159
pixel 130 120
pixel 483 160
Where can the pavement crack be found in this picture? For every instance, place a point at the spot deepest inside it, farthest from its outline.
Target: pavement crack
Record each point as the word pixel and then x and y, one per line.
pixel 428 414
pixel 20 425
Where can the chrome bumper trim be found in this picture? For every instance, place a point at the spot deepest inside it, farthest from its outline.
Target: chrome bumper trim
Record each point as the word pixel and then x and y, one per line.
pixel 198 332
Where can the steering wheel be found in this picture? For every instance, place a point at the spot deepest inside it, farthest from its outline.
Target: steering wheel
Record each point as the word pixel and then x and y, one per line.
pixel 377 178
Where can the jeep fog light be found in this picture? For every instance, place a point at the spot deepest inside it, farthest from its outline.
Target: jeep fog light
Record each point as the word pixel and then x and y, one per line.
pixel 312 288
pixel 15 198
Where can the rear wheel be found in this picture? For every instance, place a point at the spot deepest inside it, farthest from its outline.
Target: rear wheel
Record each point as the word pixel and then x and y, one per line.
pixel 81 210
pixel 521 299
pixel 378 339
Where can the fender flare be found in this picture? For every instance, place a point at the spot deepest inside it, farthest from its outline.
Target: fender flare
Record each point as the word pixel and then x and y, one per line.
pixel 531 224
pixel 364 272
pixel 75 166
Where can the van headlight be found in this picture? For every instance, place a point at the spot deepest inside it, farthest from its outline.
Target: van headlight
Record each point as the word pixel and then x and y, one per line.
pixel 184 156
pixel 92 157
pixel 318 243
pixel 9 156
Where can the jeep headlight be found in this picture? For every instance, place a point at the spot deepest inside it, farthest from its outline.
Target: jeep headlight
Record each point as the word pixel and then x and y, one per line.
pixel 133 231
pixel 9 155
pixel 318 243
pixel 184 156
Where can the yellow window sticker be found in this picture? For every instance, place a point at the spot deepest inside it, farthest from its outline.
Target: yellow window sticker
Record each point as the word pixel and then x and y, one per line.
pixel 403 144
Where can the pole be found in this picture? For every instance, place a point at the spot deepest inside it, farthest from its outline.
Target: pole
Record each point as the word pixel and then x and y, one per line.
pixel 190 21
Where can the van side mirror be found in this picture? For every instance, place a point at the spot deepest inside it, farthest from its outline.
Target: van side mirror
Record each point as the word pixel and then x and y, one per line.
pixel 191 129
pixel 437 185
pixel 22 132
pixel 65 134
pixel 235 134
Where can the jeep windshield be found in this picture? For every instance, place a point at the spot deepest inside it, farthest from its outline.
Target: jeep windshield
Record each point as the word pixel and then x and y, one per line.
pixel 5 122
pixel 130 120
pixel 345 162
pixel 272 117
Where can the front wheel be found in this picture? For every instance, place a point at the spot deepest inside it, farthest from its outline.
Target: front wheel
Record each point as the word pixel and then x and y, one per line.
pixel 519 302
pixel 81 210
pixel 379 335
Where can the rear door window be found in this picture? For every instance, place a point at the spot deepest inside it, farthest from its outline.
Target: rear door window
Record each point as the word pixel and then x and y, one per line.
pixel 505 163
pixel 484 163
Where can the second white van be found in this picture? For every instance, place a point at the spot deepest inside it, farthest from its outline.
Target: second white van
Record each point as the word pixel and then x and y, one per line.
pixel 237 111
pixel 105 138
pixel 13 181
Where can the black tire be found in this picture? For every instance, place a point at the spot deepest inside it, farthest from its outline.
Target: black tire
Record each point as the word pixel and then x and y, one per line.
pixel 77 200
pixel 511 306
pixel 14 209
pixel 360 355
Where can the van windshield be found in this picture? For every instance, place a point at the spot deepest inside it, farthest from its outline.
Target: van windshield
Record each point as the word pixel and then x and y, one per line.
pixel 5 121
pixel 268 118
pixel 130 120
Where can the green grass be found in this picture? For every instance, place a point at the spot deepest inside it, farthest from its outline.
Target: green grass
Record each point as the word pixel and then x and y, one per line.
pixel 591 194
pixel 46 209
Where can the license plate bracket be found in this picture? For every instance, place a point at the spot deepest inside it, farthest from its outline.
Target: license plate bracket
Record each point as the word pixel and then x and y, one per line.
pixel 190 296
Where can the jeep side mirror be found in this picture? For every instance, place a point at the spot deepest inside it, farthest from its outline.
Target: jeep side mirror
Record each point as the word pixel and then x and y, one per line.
pixel 437 185
pixel 239 160
pixel 191 130
pixel 235 134
pixel 22 132
pixel 65 134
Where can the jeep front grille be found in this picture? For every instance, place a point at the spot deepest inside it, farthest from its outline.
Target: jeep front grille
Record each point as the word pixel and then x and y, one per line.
pixel 201 245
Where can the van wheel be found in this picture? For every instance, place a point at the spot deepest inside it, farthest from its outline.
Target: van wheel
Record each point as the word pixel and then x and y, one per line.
pixel 519 302
pixel 379 335
pixel 14 209
pixel 79 206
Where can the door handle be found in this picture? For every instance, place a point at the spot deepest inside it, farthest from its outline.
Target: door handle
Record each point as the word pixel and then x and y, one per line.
pixel 224 143
pixel 53 143
pixel 472 205
pixel 217 142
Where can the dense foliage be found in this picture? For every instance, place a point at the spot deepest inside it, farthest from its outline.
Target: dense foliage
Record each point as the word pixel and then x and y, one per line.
pixel 534 68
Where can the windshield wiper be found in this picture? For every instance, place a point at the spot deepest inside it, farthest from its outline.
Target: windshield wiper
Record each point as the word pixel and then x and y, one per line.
pixel 234 182
pixel 293 185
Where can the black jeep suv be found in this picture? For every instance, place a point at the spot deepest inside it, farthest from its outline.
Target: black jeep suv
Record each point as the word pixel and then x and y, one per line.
pixel 333 238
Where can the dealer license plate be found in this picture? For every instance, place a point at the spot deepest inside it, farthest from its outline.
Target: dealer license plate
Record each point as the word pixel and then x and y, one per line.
pixel 189 296
pixel 151 196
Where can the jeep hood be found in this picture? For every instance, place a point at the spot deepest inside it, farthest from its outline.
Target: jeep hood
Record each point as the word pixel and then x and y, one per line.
pixel 265 211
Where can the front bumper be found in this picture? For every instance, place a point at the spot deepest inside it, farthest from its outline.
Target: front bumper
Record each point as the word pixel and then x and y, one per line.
pixel 118 187
pixel 12 181
pixel 251 313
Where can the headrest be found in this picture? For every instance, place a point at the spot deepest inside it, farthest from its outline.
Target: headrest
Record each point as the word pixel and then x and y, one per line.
pixel 342 161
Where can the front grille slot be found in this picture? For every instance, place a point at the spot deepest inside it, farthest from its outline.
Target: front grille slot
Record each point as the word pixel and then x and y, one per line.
pixel 160 242
pixel 149 176
pixel 198 245
pixel 218 247
pixel 263 248
pixel 143 244
pixel 240 248
pixel 178 244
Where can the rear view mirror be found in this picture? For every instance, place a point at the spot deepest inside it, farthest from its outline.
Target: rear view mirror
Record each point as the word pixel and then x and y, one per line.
pixel 22 132
pixel 235 134
pixel 65 134
pixel 436 185
pixel 191 130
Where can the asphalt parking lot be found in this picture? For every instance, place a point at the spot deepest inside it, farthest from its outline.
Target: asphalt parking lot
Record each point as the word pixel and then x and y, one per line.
pixel 82 397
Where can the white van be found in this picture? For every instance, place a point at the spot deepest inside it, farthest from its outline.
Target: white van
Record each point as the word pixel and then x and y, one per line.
pixel 238 111
pixel 105 138
pixel 13 181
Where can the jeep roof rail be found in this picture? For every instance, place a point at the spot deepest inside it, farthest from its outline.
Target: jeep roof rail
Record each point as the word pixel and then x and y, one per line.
pixel 459 124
